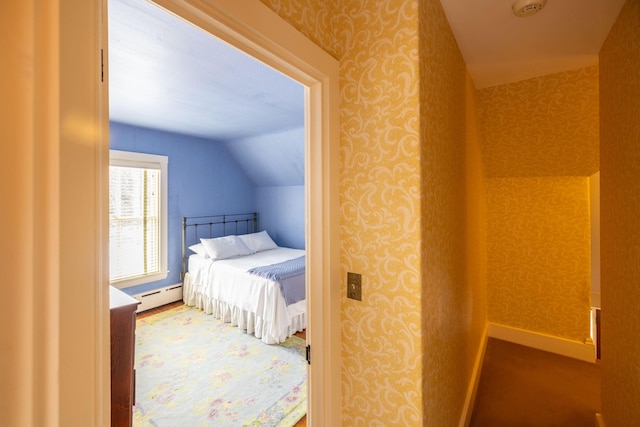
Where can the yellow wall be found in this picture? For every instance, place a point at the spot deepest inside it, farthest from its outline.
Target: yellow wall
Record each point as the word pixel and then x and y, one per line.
pixel 620 213
pixel 452 317
pixel 539 254
pixel 540 143
pixel 545 126
pixel 409 346
pixel 380 204
pixel 476 213
pixel 313 18
pixel 409 342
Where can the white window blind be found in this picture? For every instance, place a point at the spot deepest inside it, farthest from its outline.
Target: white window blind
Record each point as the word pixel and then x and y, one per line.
pixel 137 218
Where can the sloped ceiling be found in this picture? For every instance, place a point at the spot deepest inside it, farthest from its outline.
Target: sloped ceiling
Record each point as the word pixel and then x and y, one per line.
pixel 499 47
pixel 166 74
pixel 538 82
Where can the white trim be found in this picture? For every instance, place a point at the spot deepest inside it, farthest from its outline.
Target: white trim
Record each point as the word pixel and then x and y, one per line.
pixel 557 345
pixel 138 160
pixel 255 29
pixel 594 326
pixel 135 159
pixel 467 409
pixel 599 420
pixel 81 127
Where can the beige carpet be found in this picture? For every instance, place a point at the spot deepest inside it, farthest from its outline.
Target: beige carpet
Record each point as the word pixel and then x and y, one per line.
pixel 520 386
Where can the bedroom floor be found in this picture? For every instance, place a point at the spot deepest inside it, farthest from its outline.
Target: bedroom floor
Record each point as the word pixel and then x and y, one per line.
pixel 303 335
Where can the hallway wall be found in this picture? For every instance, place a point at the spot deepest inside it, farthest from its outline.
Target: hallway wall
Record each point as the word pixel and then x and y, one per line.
pixel 538 250
pixel 410 169
pixel 620 210
pixel 540 142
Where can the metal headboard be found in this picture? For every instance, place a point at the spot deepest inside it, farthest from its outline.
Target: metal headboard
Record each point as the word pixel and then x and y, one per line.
pixel 195 228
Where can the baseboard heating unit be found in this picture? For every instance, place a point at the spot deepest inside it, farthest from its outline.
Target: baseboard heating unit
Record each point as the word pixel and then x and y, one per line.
pixel 158 297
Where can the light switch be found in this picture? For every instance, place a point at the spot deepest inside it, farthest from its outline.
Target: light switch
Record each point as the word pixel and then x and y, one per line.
pixel 354 286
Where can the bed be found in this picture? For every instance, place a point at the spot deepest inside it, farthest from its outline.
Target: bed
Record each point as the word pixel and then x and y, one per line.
pixel 239 275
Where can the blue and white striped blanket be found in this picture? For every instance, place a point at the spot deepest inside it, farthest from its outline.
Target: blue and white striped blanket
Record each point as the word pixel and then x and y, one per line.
pixel 280 272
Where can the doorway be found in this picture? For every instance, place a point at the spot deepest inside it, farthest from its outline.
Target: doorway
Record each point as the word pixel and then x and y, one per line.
pixel 256 30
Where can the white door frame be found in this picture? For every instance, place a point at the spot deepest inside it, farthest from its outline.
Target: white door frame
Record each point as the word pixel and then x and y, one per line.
pixel 258 31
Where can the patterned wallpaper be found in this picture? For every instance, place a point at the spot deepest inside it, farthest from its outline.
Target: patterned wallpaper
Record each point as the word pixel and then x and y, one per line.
pixel 532 132
pixel 447 295
pixel 407 346
pixel 620 227
pixel 380 204
pixel 313 18
pixel 539 255
pixel 546 126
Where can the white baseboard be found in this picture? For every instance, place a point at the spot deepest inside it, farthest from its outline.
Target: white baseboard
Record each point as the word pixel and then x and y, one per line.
pixel 470 399
pixel 158 297
pixel 561 346
pixel 599 420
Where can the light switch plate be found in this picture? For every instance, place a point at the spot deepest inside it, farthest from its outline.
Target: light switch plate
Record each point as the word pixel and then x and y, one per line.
pixel 354 286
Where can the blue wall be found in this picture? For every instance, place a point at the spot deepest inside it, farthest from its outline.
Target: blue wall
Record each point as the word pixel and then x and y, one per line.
pixel 204 179
pixel 281 213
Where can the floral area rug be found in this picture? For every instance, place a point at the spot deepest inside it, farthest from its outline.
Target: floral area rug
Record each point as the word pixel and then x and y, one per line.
pixel 193 370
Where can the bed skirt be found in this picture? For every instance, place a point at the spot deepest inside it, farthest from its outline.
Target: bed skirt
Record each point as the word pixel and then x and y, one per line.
pixel 262 328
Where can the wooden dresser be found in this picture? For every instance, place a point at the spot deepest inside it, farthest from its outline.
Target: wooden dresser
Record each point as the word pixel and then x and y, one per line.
pixel 123 325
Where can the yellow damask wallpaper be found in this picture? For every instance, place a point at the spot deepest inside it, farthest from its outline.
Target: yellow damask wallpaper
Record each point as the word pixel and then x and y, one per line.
pixel 407 346
pixel 447 285
pixel 313 18
pixel 546 126
pixel 620 213
pixel 377 46
pixel 539 255
pixel 380 204
pixel 536 135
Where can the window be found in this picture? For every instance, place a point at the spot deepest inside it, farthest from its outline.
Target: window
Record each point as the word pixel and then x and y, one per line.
pixel 137 218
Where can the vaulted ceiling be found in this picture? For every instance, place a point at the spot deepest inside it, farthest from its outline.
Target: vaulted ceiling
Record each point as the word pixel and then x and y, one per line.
pixel 167 74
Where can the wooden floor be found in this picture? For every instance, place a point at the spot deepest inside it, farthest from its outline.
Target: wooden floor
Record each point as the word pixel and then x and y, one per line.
pixel 151 312
pixel 157 310
pixel 522 386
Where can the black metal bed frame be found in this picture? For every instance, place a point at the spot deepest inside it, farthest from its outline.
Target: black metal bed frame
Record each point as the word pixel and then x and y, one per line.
pixel 210 226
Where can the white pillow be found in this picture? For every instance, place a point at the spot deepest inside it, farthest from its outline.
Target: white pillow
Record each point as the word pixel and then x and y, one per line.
pixel 257 242
pixel 199 249
pixel 224 247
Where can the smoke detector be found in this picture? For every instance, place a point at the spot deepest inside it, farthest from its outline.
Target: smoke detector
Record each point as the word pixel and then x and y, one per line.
pixel 524 8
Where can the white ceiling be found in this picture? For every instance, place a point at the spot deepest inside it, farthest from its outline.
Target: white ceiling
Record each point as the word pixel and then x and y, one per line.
pixel 500 48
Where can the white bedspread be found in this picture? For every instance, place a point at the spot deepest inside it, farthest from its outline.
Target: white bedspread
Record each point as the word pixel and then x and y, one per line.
pixel 224 289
